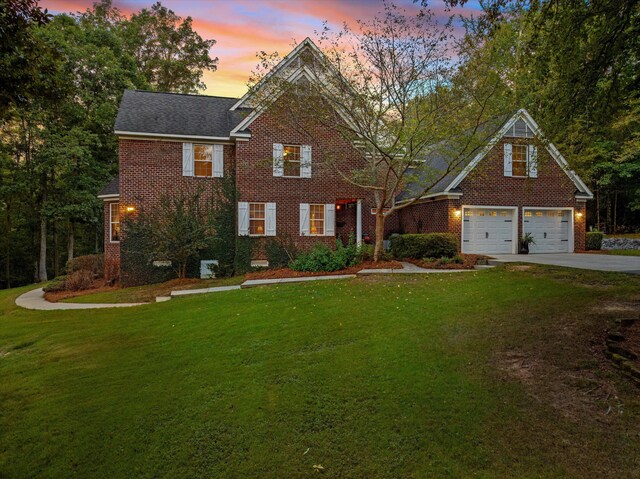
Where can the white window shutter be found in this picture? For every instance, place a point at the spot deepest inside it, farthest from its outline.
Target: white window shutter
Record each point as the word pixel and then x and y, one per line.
pixel 243 218
pixel 305 165
pixel 329 219
pixel 271 219
pixel 533 161
pixel 218 161
pixel 187 159
pixel 304 219
pixel 278 159
pixel 508 161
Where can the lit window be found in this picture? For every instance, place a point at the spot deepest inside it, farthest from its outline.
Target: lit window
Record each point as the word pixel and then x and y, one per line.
pixel 519 160
pixel 527 214
pixel 202 160
pixel 114 222
pixel 291 157
pixel 551 214
pixel 561 213
pixel 504 213
pixel 493 213
pixel 481 213
pixel 468 213
pixel 316 220
pixel 538 213
pixel 256 219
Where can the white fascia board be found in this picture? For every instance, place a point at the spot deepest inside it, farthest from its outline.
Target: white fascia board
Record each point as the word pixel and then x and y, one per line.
pixel 442 195
pixel 286 61
pixel 165 135
pixel 112 196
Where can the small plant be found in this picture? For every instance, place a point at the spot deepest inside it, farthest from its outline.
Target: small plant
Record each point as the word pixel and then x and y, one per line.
pixel 79 280
pixel 594 240
pixel 525 241
pixel 457 259
pixel 322 258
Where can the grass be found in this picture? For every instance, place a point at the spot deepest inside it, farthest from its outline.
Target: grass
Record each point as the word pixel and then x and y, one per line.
pixel 381 377
pixel 623 252
pixel 148 293
pixel 626 235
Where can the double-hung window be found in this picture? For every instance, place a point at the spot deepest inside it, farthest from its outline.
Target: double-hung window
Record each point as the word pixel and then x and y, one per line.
pixel 291 160
pixel 316 220
pixel 257 219
pixel 114 222
pixel 519 160
pixel 202 160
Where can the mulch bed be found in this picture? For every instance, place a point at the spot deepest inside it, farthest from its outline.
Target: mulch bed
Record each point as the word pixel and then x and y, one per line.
pixel 469 261
pixel 289 273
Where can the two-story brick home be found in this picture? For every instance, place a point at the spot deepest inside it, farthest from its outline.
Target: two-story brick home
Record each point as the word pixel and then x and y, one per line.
pixel 170 143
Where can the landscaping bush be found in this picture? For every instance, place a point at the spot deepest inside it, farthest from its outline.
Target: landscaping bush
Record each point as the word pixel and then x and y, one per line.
pixel 280 251
pixel 57 284
pixel 321 258
pixel 594 240
pixel 79 280
pixel 91 262
pixel 430 245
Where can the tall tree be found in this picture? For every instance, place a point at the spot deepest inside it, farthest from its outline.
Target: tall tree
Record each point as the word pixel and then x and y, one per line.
pixel 169 52
pixel 386 88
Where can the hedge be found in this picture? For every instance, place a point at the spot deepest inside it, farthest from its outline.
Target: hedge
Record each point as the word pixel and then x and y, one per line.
pixel 418 246
pixel 594 240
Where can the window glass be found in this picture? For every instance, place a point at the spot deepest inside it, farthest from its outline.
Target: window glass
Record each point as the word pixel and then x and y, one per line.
pixel 527 213
pixel 202 160
pixel 316 219
pixel 480 212
pixel 493 213
pixel 291 155
pixel 538 213
pixel 504 213
pixel 519 160
pixel 468 213
pixel 114 222
pixel 256 219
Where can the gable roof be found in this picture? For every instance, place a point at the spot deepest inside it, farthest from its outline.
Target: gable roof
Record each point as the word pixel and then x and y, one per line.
pixel 111 190
pixel 147 113
pixel 496 129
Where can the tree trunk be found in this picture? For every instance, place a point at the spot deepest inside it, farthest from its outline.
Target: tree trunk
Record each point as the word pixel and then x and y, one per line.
pixel 70 241
pixel 42 261
pixel 379 248
pixel 7 259
pixel 56 251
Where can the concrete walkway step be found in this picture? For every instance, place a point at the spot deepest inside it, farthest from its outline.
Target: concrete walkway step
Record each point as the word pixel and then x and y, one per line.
pixel 484 266
pixel 260 282
pixel 216 289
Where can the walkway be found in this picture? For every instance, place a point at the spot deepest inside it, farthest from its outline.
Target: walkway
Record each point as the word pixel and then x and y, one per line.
pixel 596 262
pixel 35 299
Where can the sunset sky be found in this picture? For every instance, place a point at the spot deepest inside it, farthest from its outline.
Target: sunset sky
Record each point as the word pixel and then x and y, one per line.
pixel 242 28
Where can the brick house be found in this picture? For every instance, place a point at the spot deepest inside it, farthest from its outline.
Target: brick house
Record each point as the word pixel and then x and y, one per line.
pixel 171 143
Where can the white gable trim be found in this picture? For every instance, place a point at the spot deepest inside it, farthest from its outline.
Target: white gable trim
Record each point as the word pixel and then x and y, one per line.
pixel 110 197
pixel 286 61
pixel 553 151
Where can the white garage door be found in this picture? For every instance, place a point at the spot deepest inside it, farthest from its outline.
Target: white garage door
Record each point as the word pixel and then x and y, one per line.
pixel 487 231
pixel 550 229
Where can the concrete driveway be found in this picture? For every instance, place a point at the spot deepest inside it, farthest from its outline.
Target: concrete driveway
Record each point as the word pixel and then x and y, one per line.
pixel 597 262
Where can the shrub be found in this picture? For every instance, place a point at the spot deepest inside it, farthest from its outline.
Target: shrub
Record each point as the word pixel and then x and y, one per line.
pixel 57 284
pixel 321 258
pixel 431 245
pixel 79 280
pixel 280 251
pixel 91 262
pixel 594 240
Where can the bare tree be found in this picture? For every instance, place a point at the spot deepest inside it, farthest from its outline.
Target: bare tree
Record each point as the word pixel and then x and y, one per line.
pixel 390 89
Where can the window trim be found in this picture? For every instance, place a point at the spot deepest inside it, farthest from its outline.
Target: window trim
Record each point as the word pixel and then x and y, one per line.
pixel 263 219
pixel 324 219
pixel 299 162
pixel 207 145
pixel 111 222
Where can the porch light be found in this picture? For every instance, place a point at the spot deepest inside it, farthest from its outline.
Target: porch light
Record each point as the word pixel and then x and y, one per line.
pixel 579 215
pixel 338 207
pixel 131 209
pixel 457 213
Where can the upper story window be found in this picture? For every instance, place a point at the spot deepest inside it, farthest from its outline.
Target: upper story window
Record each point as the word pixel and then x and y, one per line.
pixel 291 160
pixel 520 129
pixel 520 160
pixel 202 160
pixel 114 222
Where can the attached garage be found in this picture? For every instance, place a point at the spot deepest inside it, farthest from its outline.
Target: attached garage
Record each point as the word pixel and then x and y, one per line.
pixel 487 230
pixel 551 229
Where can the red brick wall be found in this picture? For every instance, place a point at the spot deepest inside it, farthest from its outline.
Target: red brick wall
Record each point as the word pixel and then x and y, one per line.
pixel 256 183
pixel 487 185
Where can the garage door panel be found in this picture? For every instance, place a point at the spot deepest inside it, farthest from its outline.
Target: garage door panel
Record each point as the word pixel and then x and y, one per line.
pixel 487 231
pixel 550 230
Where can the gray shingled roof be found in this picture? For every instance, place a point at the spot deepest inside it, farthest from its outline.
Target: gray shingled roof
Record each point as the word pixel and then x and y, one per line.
pixel 176 114
pixel 438 162
pixel 112 188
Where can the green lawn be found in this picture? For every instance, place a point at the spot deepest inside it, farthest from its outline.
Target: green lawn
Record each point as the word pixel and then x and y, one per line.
pixel 624 252
pixel 483 374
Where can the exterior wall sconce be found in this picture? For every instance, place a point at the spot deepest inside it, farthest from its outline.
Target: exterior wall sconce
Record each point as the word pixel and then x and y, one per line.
pixel 579 215
pixel 130 209
pixel 457 213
